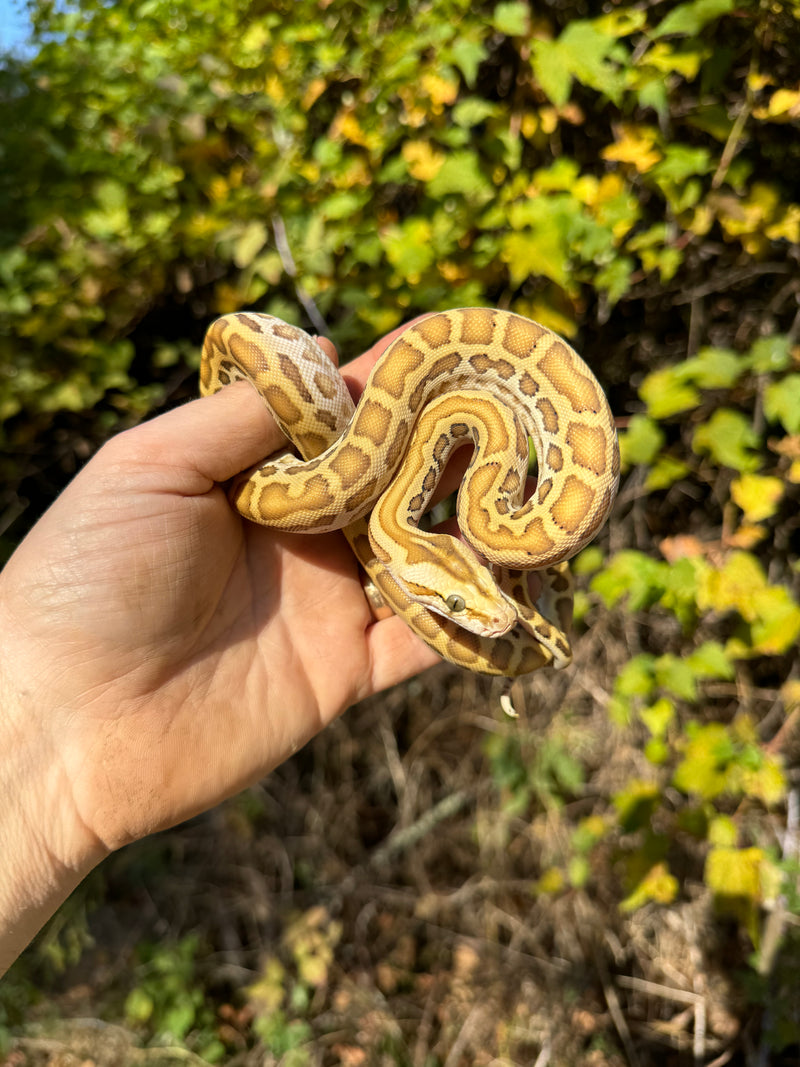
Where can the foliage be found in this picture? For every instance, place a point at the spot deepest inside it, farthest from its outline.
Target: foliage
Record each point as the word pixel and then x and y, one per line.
pixel 626 175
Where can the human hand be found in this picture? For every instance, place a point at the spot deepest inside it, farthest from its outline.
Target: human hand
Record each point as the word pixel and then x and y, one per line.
pixel 159 652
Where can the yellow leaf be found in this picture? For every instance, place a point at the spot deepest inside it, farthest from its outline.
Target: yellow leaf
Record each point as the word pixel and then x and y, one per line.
pixel 423 161
pixel 747 536
pixel 783 106
pixel 636 145
pixel 758 495
pixel 440 90
pixel 787 226
pixel 741 879
pixel 735 586
pixel 316 87
pixel 347 125
pixel 657 885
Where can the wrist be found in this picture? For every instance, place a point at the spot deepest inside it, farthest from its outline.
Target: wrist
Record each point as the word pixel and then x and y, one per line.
pixel 45 853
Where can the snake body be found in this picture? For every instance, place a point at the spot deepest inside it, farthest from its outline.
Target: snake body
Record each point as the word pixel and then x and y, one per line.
pixel 476 376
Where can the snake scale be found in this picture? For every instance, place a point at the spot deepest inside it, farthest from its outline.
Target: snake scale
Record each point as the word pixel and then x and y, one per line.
pixel 486 378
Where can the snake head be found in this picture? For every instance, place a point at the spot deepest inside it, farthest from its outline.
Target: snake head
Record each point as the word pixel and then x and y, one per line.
pixel 443 574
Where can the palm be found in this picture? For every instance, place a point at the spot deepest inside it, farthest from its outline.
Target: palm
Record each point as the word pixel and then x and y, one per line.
pixel 184 651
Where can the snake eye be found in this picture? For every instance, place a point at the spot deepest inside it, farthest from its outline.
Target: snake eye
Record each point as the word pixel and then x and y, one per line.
pixel 456 604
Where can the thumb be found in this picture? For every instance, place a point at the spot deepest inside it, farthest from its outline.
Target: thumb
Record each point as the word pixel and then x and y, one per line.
pixel 217 436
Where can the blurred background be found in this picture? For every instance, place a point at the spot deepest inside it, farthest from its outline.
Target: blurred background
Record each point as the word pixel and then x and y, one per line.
pixel 611 878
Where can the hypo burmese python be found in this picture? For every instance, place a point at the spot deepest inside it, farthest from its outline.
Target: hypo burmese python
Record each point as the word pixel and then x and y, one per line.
pixel 487 378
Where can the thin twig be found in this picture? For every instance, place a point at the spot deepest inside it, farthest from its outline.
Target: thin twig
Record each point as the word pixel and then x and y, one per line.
pixel 287 259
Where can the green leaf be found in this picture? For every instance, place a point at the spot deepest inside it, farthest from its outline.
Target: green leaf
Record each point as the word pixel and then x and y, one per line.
pixel 511 18
pixel 633 574
pixel 770 354
pixel 461 173
pixel 472 110
pixel 713 368
pixel 676 676
pixel 636 677
pixel 584 51
pixel 711 661
pixel 665 472
pixel 689 19
pixel 249 243
pixel 782 402
pixel 468 55
pixel 658 716
pixel 641 441
pixel 665 393
pixel 729 438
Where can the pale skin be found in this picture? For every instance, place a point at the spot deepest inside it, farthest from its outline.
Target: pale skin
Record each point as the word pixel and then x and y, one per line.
pixel 159 653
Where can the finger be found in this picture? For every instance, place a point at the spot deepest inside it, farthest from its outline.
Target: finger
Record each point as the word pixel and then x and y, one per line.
pixel 216 436
pixel 396 653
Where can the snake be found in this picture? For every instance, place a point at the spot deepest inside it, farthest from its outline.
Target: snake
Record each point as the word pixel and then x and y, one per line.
pixel 498 599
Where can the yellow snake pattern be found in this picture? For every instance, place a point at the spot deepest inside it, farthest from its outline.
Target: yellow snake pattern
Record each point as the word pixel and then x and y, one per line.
pixel 487 378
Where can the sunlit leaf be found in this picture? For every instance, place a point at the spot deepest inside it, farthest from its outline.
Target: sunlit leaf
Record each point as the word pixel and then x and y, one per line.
pixel 758 495
pixel 692 17
pixel 729 438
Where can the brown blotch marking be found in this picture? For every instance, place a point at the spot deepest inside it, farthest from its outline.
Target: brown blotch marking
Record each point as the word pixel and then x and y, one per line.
pixel 350 464
pixel 555 458
pixel 559 583
pixel 325 384
pixel 440 448
pixel 502 507
pixel 282 404
pixel 563 647
pixel 390 374
pixel 501 367
pixel 428 624
pixel 310 444
pixel 327 419
pixel 588 444
pixel 250 322
pixel 502 651
pixel 429 482
pixel 460 640
pixel 459 429
pixel 284 330
pixel 544 488
pixel 573 504
pixel 521 335
pixel 522 442
pixel 396 448
pixel 528 384
pixel 416 503
pixel 435 331
pixel 354 502
pixel 532 659
pixel 549 415
pixel 290 371
pixel 559 367
pixel 535 538
pixel 224 375
pixel 242 349
pixel 373 421
pixel 444 365
pixel 511 483
pixel 275 500
pixel 477 326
